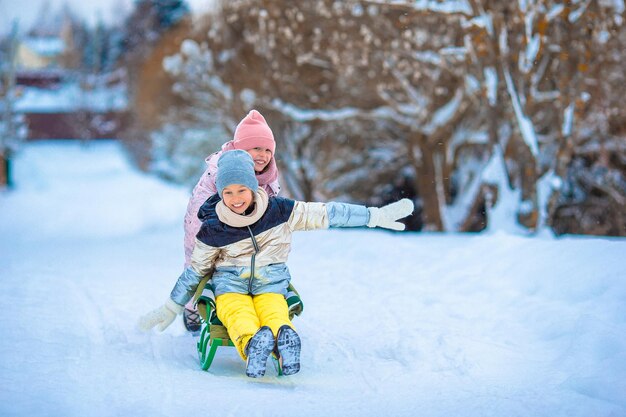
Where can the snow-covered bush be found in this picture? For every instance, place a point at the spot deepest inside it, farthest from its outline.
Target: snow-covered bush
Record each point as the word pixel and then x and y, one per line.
pixel 178 153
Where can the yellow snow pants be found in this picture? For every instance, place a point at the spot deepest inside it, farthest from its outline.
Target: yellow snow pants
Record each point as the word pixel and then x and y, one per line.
pixel 243 315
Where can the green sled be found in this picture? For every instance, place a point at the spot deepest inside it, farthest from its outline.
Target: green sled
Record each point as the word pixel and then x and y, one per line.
pixel 214 334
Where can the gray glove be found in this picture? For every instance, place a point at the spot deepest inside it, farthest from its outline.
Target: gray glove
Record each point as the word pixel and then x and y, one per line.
pixel 388 215
pixel 161 317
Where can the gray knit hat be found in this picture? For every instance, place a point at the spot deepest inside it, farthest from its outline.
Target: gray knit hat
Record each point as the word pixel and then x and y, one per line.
pixel 235 167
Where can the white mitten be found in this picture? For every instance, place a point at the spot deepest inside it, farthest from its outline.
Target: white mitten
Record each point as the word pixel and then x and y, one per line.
pixel 388 215
pixel 161 317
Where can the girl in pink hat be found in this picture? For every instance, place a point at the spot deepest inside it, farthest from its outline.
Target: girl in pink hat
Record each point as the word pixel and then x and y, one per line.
pixel 253 135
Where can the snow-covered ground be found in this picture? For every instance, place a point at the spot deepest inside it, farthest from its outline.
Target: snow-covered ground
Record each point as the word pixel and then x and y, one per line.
pixel 395 324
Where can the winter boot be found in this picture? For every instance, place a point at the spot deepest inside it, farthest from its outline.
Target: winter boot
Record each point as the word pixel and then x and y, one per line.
pixel 288 345
pixel 258 350
pixel 192 319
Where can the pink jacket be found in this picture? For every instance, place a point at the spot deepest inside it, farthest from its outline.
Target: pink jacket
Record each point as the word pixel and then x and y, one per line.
pixel 205 188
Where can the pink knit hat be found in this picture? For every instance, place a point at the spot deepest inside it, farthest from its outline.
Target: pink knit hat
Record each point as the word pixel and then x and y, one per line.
pixel 253 132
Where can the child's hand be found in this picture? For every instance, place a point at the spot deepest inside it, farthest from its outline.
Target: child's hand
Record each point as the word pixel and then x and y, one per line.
pixel 386 216
pixel 161 317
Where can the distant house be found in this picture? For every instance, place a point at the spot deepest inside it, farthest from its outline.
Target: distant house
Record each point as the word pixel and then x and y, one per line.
pixel 59 104
pixel 56 98
pixel 67 108
pixel 40 52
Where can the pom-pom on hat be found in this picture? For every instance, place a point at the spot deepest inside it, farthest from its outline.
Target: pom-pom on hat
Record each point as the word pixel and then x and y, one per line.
pixel 235 167
pixel 254 132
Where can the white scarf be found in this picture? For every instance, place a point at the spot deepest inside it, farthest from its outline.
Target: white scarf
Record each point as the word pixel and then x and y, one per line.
pixel 233 219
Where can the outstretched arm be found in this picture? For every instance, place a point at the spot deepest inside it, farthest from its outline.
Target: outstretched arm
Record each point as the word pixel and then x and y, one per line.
pixel 309 216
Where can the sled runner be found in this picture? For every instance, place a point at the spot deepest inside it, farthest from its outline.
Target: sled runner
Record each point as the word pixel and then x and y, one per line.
pixel 213 333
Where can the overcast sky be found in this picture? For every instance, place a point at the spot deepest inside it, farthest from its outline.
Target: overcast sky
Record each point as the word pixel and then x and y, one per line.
pixel 27 10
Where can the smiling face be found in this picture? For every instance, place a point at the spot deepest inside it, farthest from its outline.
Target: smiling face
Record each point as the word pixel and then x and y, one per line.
pixel 261 158
pixel 237 197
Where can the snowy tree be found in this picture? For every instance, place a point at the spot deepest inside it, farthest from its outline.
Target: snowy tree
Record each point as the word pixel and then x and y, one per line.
pixel 340 76
pixel 143 29
pixel 461 104
pixel 201 120
pixel 592 197
pixel 346 63
pixel 239 66
pixel 544 57
pixel 12 126
pixel 148 34
pixel 533 63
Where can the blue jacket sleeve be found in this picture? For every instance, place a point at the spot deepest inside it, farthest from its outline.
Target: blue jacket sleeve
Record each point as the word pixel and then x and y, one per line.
pixel 186 286
pixel 347 215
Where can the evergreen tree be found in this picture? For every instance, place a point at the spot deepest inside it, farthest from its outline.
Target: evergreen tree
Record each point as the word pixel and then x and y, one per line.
pixel 170 12
pixel 148 20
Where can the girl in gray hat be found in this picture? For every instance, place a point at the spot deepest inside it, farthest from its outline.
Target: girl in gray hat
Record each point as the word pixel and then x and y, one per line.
pixel 245 237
